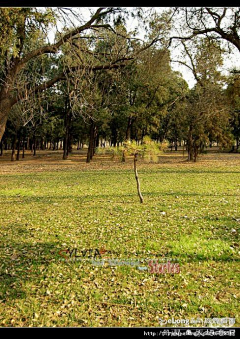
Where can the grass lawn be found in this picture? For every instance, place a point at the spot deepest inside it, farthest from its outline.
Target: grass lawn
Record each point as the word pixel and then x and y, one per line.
pixel 190 215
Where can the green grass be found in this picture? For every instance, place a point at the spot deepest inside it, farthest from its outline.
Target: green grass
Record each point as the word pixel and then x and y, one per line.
pixel 45 212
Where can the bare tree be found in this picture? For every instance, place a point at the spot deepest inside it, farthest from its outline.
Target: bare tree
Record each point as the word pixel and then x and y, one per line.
pixel 214 23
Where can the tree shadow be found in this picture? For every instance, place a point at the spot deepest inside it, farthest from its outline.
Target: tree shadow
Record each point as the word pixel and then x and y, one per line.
pixel 185 257
pixel 20 263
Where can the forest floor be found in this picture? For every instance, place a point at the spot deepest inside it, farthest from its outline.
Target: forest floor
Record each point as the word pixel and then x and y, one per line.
pixel 76 245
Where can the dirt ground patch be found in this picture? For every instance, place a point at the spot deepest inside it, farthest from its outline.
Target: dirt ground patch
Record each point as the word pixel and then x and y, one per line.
pixel 46 161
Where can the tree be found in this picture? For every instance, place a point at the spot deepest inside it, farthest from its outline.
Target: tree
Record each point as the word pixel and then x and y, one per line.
pixel 233 94
pixel 147 150
pixel 23 39
pixel 207 115
pixel 24 34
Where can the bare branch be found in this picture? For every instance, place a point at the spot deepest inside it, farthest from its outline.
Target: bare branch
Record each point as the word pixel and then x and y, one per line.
pixel 55 47
pixel 63 76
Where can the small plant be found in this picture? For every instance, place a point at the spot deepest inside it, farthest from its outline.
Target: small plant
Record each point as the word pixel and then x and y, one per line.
pixel 148 150
pixel 115 152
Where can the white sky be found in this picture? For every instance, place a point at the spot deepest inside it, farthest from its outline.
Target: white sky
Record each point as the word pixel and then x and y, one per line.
pixel 230 60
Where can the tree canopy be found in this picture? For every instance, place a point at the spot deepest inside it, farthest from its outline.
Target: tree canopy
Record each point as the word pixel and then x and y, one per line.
pixel 99 81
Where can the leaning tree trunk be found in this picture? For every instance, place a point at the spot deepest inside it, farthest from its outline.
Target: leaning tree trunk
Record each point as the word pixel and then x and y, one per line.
pixel 137 179
pixel 5 107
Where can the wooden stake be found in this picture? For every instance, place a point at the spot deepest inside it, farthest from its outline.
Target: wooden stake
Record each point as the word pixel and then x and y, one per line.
pixel 137 179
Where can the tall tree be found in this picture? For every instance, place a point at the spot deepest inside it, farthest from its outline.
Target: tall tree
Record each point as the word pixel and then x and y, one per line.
pixel 207 112
pixel 233 94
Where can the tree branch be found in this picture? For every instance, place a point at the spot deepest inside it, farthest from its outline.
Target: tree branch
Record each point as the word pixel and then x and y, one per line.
pixel 54 47
pixel 230 36
pixel 192 63
pixel 63 76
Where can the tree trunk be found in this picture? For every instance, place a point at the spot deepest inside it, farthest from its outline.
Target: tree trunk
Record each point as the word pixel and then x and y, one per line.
pixel 97 140
pixel 195 153
pixel 183 148
pixel 28 143
pixel 23 147
pixel 190 146
pixel 65 150
pixel 5 107
pixel 128 131
pixel 124 156
pixel 13 147
pixel 41 143
pixel 137 179
pixel 91 143
pixel 34 144
pixel 18 146
pixel 113 136
pixel 70 141
pixel 95 135
pixel 1 148
pixel 67 130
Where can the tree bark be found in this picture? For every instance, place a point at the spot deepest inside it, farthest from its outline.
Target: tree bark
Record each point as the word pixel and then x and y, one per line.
pixel 137 179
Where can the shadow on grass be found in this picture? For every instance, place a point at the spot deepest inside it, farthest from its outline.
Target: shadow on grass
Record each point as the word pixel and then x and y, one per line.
pixel 80 198
pixel 25 263
pixel 188 258
pixel 21 263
